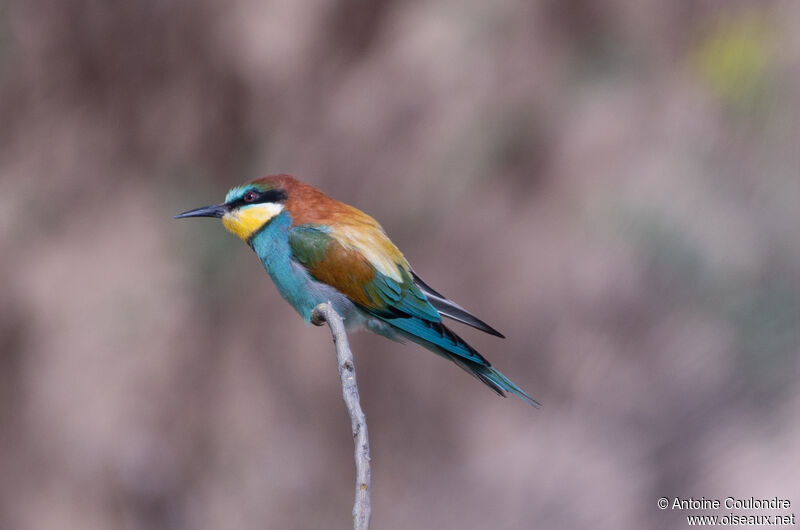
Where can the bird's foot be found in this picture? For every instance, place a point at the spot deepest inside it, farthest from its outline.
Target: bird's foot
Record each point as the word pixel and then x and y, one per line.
pixel 318 316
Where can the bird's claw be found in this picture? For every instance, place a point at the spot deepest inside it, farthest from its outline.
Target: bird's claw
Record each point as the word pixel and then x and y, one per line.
pixel 317 317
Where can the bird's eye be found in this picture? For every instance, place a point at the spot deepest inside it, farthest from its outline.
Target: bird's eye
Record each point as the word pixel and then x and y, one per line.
pixel 250 196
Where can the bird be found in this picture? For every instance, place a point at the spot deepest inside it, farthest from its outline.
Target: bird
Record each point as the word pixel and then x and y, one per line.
pixel 317 249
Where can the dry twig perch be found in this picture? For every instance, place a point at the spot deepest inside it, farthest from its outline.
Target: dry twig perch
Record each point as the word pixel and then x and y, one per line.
pixel 347 373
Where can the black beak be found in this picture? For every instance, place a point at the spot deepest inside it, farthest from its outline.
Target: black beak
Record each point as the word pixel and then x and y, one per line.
pixel 216 210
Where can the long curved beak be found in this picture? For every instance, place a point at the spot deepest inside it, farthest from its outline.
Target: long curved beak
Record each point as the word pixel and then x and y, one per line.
pixel 215 210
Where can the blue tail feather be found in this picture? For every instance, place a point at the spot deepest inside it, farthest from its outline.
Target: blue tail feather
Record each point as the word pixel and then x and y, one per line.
pixel 436 337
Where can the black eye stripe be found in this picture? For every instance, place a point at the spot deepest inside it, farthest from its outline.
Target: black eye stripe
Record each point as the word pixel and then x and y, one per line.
pixel 262 197
pixel 272 196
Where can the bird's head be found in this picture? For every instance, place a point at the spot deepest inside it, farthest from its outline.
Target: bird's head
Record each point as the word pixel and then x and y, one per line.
pixel 247 208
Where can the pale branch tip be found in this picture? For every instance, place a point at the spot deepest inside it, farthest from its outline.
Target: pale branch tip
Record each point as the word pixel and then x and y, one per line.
pixel 347 374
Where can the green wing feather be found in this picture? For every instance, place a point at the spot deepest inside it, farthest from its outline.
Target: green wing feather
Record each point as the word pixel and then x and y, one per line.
pixel 399 303
pixel 349 271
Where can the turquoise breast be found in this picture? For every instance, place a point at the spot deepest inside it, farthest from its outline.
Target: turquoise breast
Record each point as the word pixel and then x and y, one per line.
pixel 293 281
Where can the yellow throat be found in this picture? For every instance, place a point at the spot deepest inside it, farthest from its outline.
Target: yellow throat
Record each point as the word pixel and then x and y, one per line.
pixel 244 221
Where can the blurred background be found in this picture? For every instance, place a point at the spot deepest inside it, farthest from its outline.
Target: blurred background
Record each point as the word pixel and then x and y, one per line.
pixel 614 185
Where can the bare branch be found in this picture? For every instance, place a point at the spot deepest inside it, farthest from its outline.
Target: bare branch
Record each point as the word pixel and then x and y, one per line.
pixel 347 373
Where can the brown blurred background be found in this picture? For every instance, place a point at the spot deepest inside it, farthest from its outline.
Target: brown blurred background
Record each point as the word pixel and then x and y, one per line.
pixel 614 185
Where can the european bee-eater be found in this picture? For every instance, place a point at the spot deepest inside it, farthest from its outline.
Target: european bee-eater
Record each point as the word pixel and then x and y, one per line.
pixel 317 249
